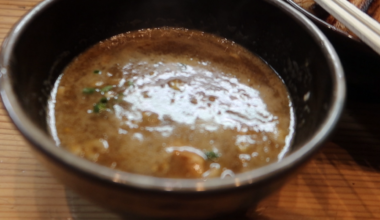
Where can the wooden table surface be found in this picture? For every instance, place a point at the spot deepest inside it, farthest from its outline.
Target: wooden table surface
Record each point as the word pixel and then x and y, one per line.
pixel 342 181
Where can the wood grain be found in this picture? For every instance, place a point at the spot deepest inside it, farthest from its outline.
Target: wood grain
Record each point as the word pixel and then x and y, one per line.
pixel 342 181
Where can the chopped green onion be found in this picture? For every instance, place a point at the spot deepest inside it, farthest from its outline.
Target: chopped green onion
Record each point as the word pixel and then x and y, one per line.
pixel 106 89
pixel 97 72
pixel 88 91
pixel 98 107
pixel 130 83
pixel 211 155
pixel 103 100
pixel 101 105
pixel 183 66
pixel 120 97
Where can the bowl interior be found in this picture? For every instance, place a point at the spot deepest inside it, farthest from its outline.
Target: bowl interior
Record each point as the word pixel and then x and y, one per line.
pixel 46 41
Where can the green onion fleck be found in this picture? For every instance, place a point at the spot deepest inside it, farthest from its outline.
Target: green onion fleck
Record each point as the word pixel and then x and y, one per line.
pixel 120 97
pixel 98 107
pixel 130 83
pixel 211 155
pixel 183 66
pixel 106 89
pixel 97 72
pixel 88 91
pixel 103 100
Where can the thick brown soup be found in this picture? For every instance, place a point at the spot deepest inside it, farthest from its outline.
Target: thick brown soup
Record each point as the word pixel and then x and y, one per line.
pixel 172 103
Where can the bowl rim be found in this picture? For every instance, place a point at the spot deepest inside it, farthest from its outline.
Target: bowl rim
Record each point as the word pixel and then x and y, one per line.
pixel 44 143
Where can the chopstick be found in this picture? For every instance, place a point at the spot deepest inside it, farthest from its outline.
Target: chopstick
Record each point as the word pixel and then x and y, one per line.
pixel 366 28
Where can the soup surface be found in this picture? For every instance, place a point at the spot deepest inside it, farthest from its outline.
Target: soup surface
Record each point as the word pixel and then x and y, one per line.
pixel 172 103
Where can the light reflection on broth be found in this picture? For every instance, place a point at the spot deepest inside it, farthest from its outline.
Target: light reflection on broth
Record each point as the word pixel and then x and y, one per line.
pixel 172 103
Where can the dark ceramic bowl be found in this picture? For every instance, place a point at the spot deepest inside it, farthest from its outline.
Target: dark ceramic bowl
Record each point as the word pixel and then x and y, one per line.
pixel 53 33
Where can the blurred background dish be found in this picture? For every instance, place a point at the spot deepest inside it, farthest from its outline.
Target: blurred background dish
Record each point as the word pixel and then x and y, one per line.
pixel 360 63
pixel 371 7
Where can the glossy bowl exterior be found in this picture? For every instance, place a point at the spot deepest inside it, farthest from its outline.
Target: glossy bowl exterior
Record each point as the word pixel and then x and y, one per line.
pixel 56 31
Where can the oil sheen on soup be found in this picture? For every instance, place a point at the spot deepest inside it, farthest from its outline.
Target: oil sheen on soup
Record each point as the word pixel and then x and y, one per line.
pixel 172 103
